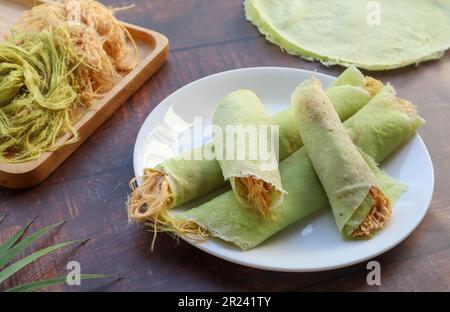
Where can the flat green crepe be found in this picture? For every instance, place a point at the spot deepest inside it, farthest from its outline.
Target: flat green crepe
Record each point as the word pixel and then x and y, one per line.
pixel 241 115
pixel 378 129
pixel 348 32
pixel 354 191
pixel 190 179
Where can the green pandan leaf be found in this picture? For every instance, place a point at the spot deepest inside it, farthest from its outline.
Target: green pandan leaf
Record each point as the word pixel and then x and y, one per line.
pixel 53 282
pixel 8 255
pixel 11 241
pixel 16 266
pixel 13 246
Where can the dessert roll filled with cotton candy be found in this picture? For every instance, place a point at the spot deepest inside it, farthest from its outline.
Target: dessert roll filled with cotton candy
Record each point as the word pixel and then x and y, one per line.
pixel 360 205
pixel 246 147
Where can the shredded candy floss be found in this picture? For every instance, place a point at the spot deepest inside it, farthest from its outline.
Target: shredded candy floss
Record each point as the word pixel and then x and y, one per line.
pixel 38 100
pixel 102 42
pixel 149 202
pixel 378 215
pixel 257 191
pixel 59 58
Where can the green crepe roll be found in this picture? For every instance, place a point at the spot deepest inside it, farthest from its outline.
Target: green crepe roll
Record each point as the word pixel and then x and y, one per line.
pixel 178 180
pixel 384 123
pixel 245 148
pixel 347 101
pixel 357 198
pixel 350 77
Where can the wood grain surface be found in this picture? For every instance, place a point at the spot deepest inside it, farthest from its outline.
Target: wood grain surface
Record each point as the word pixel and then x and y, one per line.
pixel 90 188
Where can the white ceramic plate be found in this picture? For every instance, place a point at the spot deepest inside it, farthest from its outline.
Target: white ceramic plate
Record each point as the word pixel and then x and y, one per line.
pixel 310 245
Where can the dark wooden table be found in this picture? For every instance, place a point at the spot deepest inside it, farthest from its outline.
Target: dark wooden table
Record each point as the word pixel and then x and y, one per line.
pixel 91 187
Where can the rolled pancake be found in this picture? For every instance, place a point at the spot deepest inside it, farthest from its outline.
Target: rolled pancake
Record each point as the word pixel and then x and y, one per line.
pixel 246 148
pixel 359 204
pixel 381 126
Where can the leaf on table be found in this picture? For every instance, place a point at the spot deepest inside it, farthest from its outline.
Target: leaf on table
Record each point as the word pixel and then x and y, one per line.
pixel 5 246
pixel 14 246
pixel 13 268
pixel 8 255
pixel 53 282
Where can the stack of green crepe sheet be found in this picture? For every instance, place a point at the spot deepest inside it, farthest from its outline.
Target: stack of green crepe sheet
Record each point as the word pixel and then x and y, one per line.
pixel 189 179
pixel 375 35
pixel 377 129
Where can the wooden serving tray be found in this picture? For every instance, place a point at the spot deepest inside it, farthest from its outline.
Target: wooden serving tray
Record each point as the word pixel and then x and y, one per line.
pixel 153 49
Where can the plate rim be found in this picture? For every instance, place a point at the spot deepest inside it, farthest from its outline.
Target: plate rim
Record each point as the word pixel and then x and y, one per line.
pixel 146 125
